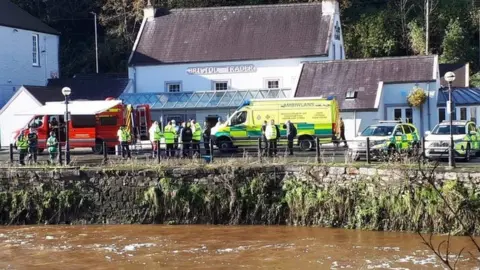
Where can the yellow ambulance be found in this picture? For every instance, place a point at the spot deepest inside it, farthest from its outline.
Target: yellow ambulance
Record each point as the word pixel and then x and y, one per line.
pixel 313 117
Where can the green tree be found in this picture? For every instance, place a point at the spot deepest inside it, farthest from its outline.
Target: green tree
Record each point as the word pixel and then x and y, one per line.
pixel 370 37
pixel 454 45
pixel 475 80
pixel 416 36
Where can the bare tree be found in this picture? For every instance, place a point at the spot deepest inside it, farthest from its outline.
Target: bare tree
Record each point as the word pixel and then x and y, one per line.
pixel 404 7
pixel 443 249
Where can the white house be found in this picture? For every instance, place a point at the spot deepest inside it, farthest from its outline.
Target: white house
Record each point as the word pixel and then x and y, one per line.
pixel 375 89
pixel 29 50
pixel 227 49
pixel 22 99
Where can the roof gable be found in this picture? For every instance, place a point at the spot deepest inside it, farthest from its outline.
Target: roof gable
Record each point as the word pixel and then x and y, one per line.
pixel 233 33
pixel 461 74
pixel 13 16
pixel 363 76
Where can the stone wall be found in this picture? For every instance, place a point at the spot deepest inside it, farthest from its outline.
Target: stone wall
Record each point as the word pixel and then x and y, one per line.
pixel 350 197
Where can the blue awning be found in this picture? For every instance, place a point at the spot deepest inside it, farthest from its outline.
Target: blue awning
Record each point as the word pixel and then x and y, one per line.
pixel 460 95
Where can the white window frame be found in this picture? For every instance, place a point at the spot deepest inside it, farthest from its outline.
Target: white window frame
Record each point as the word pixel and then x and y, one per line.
pixel 267 80
pixel 168 83
pixel 458 112
pixel 220 81
pixel 35 50
pixel 352 94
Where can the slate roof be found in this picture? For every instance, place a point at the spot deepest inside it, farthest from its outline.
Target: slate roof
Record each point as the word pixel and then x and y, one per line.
pixel 461 74
pixel 45 93
pixel 233 33
pixel 85 87
pixel 362 75
pixel 460 95
pixel 13 16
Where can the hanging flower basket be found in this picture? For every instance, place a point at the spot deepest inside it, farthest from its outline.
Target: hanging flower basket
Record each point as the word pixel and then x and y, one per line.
pixel 417 97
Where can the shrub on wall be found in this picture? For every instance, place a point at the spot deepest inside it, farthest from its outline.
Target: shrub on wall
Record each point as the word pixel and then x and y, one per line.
pixel 417 97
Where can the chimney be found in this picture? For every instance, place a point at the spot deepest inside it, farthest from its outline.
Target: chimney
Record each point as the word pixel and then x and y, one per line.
pixel 330 7
pixel 149 11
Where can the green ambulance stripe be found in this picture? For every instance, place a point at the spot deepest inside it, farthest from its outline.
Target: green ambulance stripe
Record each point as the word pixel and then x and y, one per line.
pixel 302 128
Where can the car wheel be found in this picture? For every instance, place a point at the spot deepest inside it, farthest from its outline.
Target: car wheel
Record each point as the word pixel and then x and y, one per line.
pixel 98 148
pixel 306 144
pixel 225 145
pixel 392 150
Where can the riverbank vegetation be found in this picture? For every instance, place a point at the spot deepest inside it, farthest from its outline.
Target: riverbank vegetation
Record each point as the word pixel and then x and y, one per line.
pixel 370 204
pixel 43 205
pixel 389 199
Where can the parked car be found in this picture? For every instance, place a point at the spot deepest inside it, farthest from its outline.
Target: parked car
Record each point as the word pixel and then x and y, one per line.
pixel 465 139
pixel 385 137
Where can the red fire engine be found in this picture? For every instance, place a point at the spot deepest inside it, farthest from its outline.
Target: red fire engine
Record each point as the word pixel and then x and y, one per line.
pixel 90 123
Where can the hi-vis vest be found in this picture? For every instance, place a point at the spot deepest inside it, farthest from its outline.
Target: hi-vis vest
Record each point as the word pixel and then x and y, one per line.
pixel 22 142
pixel 123 135
pixel 170 133
pixel 271 132
pixel 155 133
pixel 197 135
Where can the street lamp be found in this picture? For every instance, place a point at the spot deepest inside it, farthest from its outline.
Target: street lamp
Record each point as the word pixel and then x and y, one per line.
pixel 96 40
pixel 66 91
pixel 450 77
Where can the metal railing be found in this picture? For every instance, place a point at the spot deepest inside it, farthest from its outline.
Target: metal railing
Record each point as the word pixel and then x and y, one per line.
pixel 365 150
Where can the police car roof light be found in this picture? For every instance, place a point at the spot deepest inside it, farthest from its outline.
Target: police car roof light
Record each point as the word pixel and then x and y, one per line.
pixel 331 98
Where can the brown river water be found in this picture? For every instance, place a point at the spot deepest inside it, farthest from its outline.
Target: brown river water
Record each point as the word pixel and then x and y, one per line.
pixel 216 247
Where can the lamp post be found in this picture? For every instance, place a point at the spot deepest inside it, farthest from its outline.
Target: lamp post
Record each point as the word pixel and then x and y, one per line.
pixel 66 91
pixel 450 77
pixel 96 41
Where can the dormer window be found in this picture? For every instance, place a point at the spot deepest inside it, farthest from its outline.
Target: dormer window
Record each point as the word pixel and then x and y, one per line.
pixel 351 95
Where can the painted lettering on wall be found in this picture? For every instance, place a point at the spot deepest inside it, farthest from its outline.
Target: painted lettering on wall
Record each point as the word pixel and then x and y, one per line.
pixel 222 69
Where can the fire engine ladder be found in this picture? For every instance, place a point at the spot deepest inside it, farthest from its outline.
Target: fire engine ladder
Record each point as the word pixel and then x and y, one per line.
pixel 131 127
pixel 142 125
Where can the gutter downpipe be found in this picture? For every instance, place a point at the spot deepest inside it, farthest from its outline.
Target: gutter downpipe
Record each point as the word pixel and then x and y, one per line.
pixel 428 106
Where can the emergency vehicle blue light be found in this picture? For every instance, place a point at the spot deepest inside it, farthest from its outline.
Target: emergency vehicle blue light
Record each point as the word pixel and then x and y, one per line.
pixel 245 103
pixel 330 97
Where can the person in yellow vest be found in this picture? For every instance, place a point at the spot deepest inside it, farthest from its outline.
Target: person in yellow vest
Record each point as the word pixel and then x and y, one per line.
pixel 124 137
pixel 196 137
pixel 170 134
pixel 22 146
pixel 155 136
pixel 272 133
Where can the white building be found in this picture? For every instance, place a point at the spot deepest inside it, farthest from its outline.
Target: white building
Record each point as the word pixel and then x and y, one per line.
pixel 375 89
pixel 218 52
pixel 28 50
